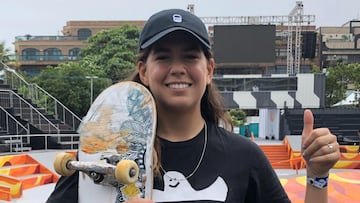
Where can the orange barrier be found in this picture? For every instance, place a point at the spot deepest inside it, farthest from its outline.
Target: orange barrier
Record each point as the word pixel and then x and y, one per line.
pixel 19 172
pixel 14 185
pixel 5 193
pixel 349 148
pixel 298 163
pixel 277 154
pixel 349 161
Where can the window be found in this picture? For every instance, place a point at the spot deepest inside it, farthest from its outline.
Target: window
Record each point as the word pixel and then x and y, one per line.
pixel 83 34
pixel 30 54
pixel 52 54
pixel 74 54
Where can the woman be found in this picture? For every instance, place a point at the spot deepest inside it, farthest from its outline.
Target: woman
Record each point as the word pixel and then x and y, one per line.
pixel 196 159
pixel 195 155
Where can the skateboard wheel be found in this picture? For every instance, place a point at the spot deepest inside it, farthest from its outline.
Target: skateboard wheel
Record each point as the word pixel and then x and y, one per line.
pixel 60 164
pixel 126 172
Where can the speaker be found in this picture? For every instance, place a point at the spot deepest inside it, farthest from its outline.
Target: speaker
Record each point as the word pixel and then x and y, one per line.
pixel 308 44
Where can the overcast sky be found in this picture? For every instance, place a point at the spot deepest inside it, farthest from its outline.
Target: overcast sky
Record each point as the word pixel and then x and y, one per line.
pixel 47 17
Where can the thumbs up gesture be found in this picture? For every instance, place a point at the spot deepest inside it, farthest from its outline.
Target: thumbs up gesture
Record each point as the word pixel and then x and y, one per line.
pixel 319 147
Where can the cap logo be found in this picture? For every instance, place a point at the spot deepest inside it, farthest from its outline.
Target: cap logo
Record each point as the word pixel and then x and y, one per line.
pixel 177 18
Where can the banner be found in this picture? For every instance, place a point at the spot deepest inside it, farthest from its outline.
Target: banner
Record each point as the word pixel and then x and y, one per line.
pixel 269 123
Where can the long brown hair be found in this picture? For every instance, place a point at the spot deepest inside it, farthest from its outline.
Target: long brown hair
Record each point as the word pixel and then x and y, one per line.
pixel 212 105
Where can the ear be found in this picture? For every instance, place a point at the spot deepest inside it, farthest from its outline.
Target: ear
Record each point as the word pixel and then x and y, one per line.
pixel 143 73
pixel 211 67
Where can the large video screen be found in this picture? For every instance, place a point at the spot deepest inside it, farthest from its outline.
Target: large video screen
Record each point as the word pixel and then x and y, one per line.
pixel 244 43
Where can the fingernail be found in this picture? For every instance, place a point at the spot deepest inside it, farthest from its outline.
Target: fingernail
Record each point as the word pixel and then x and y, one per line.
pixel 304 155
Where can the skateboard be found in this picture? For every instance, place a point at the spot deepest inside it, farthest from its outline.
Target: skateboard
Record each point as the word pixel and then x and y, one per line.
pixel 116 146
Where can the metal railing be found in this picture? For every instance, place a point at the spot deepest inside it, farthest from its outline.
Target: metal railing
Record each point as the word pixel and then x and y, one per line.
pixel 9 99
pixel 20 148
pixel 45 38
pixel 9 124
pixel 53 106
pixel 41 98
pixel 23 58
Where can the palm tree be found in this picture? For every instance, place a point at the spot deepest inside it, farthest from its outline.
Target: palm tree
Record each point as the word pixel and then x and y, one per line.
pixel 6 57
pixel 4 52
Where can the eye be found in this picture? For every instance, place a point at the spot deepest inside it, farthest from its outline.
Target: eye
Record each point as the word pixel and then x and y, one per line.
pixel 161 57
pixel 191 56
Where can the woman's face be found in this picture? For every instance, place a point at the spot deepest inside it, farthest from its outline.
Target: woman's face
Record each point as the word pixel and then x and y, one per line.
pixel 177 72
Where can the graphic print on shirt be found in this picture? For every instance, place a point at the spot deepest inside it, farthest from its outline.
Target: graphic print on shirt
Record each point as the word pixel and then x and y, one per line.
pixel 177 188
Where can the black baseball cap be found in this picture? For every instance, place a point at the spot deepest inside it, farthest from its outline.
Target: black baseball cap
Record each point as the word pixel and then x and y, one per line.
pixel 164 22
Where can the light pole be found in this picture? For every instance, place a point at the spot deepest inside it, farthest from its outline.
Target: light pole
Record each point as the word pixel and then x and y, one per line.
pixel 91 87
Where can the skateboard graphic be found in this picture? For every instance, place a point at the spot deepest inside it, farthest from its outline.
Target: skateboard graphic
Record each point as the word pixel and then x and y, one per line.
pixel 116 146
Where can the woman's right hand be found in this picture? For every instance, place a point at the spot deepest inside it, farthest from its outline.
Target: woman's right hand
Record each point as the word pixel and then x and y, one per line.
pixel 139 200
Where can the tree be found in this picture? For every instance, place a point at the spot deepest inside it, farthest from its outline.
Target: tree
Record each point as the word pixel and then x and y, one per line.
pixel 69 83
pixel 337 80
pixel 238 117
pixel 356 80
pixel 113 51
pixel 355 72
pixel 315 69
pixel 4 52
pixel 110 56
pixel 5 56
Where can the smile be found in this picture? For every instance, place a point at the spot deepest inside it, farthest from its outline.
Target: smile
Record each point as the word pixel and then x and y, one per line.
pixel 179 85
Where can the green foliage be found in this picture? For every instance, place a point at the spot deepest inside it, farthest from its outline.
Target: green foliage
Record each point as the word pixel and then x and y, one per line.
pixel 69 83
pixel 113 51
pixel 110 57
pixel 4 52
pixel 337 80
pixel 315 69
pixel 238 117
pixel 355 72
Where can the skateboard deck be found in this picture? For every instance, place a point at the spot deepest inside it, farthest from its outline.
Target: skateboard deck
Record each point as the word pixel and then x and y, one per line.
pixel 116 146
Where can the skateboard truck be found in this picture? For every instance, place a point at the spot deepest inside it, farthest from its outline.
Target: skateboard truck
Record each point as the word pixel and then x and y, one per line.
pixel 104 173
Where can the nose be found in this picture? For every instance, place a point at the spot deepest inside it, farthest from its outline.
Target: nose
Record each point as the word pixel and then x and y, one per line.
pixel 177 68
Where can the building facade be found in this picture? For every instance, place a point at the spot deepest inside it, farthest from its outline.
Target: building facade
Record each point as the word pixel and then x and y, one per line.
pixel 340 44
pixel 34 53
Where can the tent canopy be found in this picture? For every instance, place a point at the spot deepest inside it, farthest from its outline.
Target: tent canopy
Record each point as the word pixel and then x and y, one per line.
pixel 352 99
